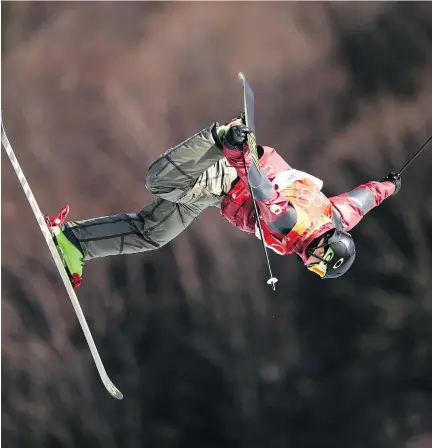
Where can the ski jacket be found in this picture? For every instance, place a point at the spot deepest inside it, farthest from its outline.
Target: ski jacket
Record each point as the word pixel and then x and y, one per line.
pixel 293 209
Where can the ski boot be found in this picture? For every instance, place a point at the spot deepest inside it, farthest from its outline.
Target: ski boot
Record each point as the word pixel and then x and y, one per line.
pixel 70 252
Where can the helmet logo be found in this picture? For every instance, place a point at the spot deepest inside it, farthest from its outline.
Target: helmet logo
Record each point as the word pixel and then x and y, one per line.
pixel 329 254
pixel 338 263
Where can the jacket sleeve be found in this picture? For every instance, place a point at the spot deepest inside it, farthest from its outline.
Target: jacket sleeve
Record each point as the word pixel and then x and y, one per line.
pixel 235 159
pixel 274 207
pixel 354 204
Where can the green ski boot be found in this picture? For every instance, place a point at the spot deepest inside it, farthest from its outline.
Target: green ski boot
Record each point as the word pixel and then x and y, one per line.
pixel 70 253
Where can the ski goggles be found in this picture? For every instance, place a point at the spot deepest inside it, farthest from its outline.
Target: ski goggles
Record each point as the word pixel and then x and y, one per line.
pixel 320 268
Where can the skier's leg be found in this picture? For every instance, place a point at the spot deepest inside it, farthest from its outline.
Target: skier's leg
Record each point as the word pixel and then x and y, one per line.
pixel 187 179
pixel 205 191
pixel 170 177
pixel 175 172
pixel 197 164
pixel 154 226
pixel 126 233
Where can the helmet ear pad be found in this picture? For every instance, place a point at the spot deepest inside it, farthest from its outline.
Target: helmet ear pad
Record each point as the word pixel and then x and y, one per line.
pixel 344 252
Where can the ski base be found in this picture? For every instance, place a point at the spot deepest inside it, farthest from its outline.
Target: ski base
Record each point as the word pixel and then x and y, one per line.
pixel 59 264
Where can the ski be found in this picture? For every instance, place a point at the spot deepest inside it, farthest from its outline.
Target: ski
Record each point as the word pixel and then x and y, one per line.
pixel 112 389
pixel 249 109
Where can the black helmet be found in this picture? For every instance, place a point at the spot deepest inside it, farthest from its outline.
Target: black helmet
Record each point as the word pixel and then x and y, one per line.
pixel 338 257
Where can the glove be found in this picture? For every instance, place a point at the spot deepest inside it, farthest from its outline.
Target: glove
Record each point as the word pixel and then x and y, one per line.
pixel 236 137
pixel 394 178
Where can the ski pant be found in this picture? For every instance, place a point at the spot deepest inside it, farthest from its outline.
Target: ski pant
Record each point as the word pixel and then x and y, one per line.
pixel 185 180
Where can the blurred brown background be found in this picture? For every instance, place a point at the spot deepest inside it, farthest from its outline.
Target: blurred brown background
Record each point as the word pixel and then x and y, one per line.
pixel 204 352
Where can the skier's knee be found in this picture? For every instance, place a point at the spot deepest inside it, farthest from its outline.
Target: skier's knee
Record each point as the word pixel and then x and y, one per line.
pixel 154 178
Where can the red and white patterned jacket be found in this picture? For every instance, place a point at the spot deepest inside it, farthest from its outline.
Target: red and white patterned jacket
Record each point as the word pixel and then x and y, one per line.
pixel 296 211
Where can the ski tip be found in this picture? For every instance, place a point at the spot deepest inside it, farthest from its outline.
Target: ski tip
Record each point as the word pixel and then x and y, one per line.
pixel 241 76
pixel 119 395
pixel 113 390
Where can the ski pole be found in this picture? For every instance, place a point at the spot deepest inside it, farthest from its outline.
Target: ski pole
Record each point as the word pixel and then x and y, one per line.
pixel 249 102
pixel 415 155
pixel 272 280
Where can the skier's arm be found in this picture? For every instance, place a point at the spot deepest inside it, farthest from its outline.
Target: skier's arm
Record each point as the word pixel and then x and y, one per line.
pixel 354 204
pixel 258 180
pixel 274 207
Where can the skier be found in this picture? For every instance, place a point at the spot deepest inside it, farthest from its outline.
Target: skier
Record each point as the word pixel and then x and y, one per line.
pixel 208 169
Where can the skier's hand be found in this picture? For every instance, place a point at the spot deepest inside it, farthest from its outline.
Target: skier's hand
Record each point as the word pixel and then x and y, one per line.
pixel 236 137
pixel 394 178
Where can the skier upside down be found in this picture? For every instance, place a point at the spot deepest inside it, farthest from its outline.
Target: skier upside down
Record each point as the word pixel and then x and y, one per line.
pixel 207 170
